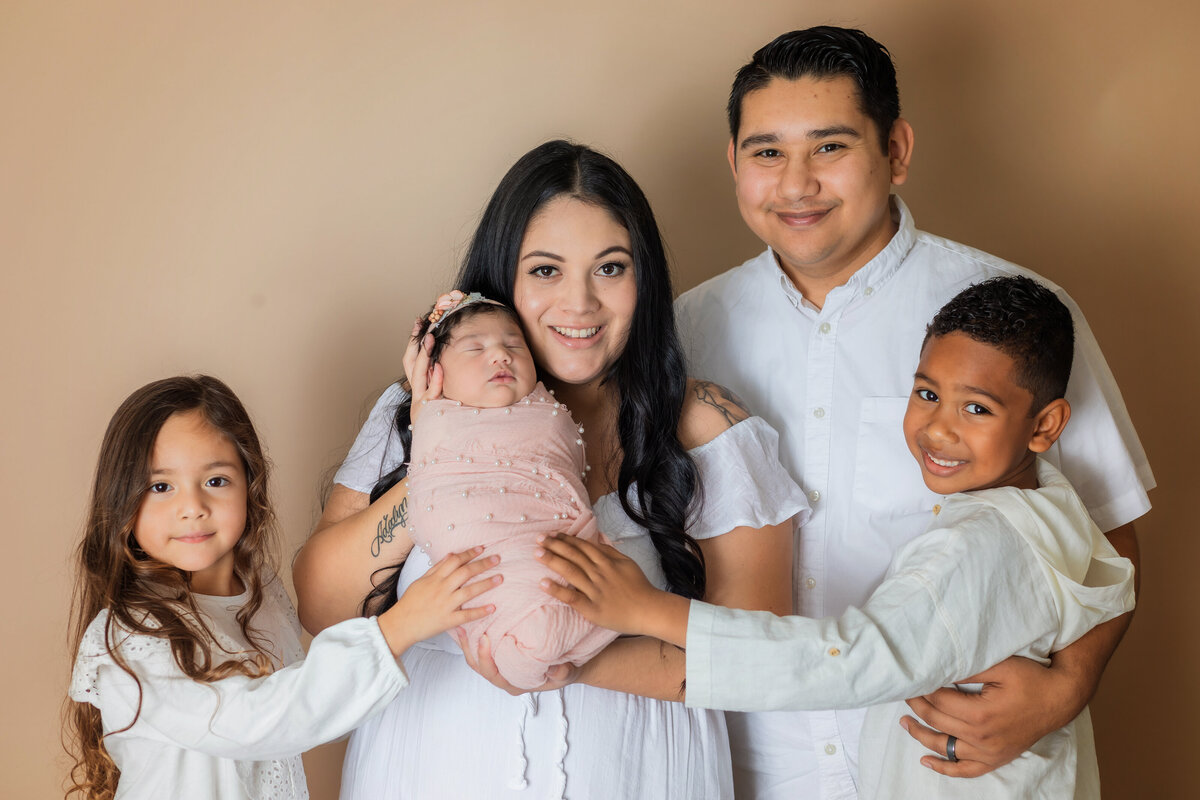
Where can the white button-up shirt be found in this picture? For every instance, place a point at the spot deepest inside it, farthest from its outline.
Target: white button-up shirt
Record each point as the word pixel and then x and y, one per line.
pixel 835 382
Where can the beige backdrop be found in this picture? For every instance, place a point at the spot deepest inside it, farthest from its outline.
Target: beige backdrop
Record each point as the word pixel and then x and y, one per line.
pixel 271 192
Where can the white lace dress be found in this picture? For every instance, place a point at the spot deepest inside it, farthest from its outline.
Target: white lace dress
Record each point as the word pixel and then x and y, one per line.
pixel 237 737
pixel 454 735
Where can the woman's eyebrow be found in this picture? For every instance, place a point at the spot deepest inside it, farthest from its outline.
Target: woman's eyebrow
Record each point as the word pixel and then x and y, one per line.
pixel 542 254
pixel 616 248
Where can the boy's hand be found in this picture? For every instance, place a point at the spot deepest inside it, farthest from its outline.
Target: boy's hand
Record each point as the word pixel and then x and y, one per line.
pixel 433 603
pixel 606 587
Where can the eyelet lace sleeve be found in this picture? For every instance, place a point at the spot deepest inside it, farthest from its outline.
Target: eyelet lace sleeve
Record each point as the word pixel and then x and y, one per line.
pixel 94 653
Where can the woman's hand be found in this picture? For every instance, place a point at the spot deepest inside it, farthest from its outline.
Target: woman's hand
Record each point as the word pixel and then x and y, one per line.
pixel 434 602
pixel 424 382
pixel 609 589
pixel 482 662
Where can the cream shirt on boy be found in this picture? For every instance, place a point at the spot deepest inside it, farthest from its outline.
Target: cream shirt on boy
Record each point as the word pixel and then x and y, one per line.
pixel 1000 572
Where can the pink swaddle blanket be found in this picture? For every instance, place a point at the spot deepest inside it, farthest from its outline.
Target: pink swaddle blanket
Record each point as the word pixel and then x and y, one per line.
pixel 500 477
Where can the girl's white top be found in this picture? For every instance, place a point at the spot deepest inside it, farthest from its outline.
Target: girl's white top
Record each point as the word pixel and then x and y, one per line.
pixel 237 737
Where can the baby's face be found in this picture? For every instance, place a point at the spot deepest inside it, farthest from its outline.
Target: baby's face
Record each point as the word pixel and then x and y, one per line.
pixel 486 363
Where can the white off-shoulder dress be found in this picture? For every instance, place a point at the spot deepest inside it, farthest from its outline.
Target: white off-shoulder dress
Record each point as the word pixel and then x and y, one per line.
pixel 452 734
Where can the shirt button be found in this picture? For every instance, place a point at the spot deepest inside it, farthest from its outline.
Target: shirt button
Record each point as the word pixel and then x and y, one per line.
pixel 867 292
pixel 814 496
pixel 833 651
pixel 830 749
pixel 826 327
pixel 811 583
pixel 818 412
pixel 937 509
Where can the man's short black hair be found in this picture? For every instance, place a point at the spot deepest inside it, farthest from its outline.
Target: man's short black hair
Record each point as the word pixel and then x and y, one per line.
pixel 1025 321
pixel 824 52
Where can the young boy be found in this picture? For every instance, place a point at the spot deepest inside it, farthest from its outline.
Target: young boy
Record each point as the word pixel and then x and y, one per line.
pixel 1011 565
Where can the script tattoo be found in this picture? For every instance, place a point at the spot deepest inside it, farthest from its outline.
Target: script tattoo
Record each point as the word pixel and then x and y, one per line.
pixel 723 400
pixel 385 531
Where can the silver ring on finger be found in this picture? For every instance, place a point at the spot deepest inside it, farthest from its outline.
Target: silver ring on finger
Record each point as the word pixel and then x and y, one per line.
pixel 951 747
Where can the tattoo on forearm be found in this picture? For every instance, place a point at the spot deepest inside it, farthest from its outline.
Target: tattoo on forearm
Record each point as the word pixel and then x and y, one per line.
pixel 385 531
pixel 723 400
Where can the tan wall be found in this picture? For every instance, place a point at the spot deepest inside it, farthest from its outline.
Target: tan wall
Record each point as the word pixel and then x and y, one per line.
pixel 271 193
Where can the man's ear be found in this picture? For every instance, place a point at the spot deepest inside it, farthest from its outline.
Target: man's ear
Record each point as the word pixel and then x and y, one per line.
pixel 900 150
pixel 1049 424
pixel 731 154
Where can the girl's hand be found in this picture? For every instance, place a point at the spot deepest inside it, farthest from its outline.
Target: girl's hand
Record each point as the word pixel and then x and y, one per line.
pixel 425 383
pixel 433 603
pixel 482 662
pixel 606 587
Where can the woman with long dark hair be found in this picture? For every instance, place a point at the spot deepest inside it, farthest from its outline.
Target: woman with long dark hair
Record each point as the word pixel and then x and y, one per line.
pixel 680 477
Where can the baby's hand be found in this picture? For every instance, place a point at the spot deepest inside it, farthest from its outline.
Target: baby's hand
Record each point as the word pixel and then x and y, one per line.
pixel 433 603
pixel 606 587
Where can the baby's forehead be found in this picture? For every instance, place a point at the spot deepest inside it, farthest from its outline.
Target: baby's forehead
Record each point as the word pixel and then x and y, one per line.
pixel 486 324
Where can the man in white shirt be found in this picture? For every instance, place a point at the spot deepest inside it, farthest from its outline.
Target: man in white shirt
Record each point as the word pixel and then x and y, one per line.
pixel 820 334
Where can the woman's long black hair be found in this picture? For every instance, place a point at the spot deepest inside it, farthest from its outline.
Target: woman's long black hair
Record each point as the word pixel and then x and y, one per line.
pixel 649 375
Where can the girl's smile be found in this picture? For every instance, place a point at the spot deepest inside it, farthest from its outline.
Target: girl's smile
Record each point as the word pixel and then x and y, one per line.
pixel 194 511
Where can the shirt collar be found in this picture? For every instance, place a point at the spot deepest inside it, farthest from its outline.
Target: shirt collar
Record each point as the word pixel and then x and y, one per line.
pixel 869 278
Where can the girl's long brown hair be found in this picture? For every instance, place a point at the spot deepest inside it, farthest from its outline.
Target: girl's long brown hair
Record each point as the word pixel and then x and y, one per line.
pixel 148 597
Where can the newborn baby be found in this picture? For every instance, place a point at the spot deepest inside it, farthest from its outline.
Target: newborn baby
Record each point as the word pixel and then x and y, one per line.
pixel 497 462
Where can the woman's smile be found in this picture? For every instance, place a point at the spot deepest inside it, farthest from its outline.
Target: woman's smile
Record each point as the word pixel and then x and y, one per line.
pixel 575 289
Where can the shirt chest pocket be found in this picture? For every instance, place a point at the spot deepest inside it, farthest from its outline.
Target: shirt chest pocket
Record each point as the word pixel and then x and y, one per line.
pixel 887 479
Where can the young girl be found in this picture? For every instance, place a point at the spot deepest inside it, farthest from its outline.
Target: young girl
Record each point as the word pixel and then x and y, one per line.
pixel 183 630
pixel 496 461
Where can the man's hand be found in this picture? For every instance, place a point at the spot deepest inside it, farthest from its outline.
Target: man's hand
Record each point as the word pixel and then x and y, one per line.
pixel 1021 702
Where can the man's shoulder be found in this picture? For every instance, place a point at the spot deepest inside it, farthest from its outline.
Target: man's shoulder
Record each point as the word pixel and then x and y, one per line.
pixel 955 260
pixel 725 287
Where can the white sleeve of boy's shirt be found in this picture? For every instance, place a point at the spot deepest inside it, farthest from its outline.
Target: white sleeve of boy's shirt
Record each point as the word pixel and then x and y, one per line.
pixel 959 603
pixel 348 676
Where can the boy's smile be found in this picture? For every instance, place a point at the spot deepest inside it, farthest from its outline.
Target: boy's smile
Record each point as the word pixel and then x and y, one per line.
pixel 969 424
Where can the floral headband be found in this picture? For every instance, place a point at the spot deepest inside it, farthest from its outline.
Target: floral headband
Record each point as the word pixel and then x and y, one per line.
pixel 439 313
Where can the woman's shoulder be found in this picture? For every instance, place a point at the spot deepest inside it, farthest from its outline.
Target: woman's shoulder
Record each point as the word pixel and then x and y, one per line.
pixel 709 409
